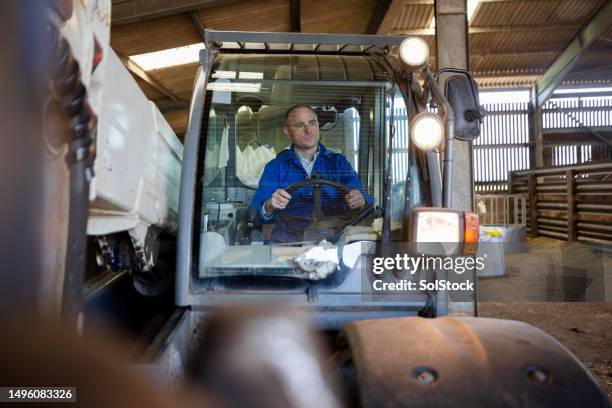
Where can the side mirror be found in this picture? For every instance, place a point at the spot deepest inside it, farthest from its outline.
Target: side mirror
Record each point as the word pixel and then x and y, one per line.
pixel 461 92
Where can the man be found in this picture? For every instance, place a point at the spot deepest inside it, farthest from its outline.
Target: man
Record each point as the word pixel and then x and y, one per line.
pixel 306 157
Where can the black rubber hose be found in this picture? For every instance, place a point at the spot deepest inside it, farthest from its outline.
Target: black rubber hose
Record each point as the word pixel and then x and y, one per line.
pixel 70 90
pixel 77 243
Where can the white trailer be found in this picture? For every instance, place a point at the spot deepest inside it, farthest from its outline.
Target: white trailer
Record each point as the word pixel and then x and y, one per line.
pixel 133 191
pixel 137 170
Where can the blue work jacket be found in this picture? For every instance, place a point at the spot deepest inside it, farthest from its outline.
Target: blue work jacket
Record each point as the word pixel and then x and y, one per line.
pixel 286 169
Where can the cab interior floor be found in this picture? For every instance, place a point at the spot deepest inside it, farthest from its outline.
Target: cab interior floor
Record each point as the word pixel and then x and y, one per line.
pixel 564 289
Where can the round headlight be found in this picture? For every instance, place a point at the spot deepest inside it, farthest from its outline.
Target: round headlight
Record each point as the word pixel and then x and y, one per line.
pixel 414 52
pixel 427 130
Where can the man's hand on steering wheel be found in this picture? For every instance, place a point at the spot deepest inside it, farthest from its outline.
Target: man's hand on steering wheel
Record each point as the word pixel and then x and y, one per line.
pixel 354 199
pixel 314 231
pixel 278 201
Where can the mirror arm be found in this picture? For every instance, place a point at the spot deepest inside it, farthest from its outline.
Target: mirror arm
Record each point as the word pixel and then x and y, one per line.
pixel 449 120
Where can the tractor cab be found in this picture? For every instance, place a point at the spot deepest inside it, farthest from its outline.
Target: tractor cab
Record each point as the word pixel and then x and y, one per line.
pixel 375 135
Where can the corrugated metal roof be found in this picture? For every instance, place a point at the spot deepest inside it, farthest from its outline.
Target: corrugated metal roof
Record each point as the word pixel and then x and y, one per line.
pixel 154 35
pixel 511 63
pixel 527 81
pixel 553 40
pixel 499 14
pixel 596 58
pixel 178 80
pixel 583 79
pixel 263 15
pixel 510 13
pixel 511 41
pixel 403 14
pixel 177 121
pixel 571 11
pixel 522 81
pixel 151 92
pixel 604 41
pixel 336 16
pixel 595 66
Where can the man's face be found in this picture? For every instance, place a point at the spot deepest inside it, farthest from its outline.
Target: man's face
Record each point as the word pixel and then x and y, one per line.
pixel 302 127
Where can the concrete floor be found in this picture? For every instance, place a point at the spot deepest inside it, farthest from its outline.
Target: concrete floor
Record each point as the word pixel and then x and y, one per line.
pixel 564 289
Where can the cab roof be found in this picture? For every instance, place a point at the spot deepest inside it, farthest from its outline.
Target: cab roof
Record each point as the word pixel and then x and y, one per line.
pixel 303 43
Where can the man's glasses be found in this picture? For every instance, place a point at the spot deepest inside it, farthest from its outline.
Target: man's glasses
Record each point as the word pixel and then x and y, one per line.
pixel 302 125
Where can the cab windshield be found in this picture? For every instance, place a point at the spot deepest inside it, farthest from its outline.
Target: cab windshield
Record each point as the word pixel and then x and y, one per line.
pixel 246 154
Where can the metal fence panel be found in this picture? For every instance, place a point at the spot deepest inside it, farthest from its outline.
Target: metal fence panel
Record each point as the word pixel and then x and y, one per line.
pixel 573 126
pixel 502 147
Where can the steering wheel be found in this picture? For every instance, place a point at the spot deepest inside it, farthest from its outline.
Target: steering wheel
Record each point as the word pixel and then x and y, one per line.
pixel 314 230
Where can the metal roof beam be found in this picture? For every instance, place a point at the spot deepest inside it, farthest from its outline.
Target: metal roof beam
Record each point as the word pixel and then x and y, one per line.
pixel 605 130
pixel 142 74
pixel 508 73
pixel 517 53
pixel 197 23
pixel 378 16
pixel 523 28
pixel 418 2
pixel 301 38
pixel 511 1
pixel 295 13
pixel 168 106
pixel 511 53
pixel 568 59
pixel 133 11
pixel 492 29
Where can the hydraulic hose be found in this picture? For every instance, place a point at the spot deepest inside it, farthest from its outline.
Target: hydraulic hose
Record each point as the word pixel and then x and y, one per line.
pixel 69 89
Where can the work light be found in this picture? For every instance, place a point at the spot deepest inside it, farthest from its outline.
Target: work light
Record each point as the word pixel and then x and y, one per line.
pixel 427 130
pixel 414 53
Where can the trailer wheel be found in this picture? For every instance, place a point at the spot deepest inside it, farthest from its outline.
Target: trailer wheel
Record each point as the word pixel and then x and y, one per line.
pixel 154 282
